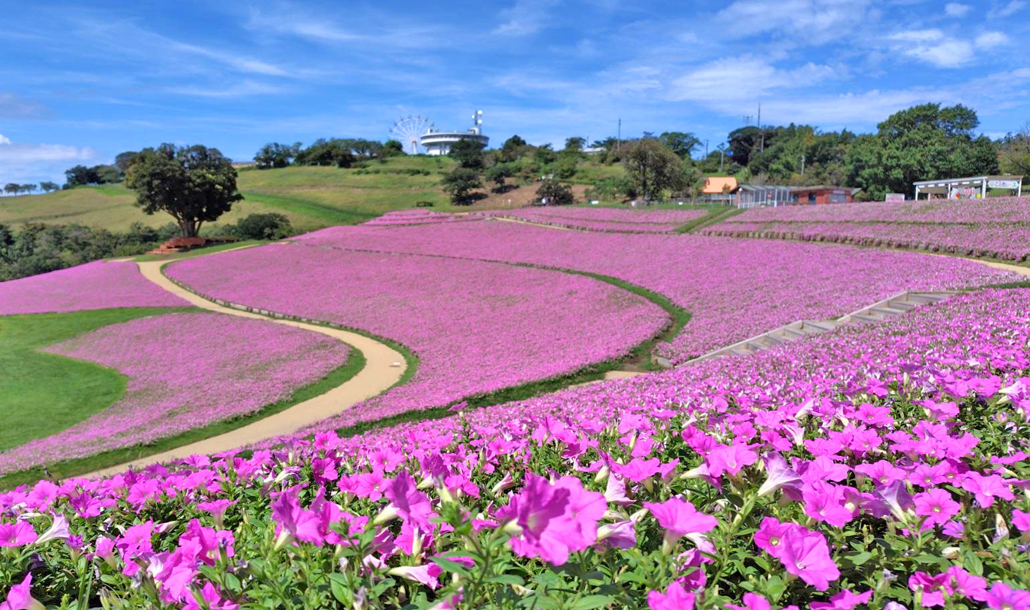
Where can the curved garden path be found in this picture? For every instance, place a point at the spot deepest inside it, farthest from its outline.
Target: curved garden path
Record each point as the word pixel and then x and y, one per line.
pixel 384 367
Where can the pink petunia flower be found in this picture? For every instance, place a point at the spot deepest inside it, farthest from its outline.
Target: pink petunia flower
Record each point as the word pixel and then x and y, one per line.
pixel 729 459
pixel 411 504
pixel 932 587
pixel 805 554
pixel 963 584
pixel 845 600
pixel 674 598
pixel 825 502
pixel 936 506
pixel 19 533
pixel 20 597
pixel 679 518
pixel 1021 520
pixel 1004 597
pixel 752 601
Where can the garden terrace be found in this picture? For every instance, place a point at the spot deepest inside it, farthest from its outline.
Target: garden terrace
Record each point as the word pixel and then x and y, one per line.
pixel 476 327
pixel 874 464
pixel 614 220
pixel 733 288
pixel 96 285
pixel 996 227
pixel 416 217
pixel 184 371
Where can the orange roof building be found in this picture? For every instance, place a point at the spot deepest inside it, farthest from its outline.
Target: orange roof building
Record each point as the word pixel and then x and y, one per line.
pixel 717 185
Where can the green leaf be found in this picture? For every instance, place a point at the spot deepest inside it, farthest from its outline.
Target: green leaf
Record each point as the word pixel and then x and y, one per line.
pixel 592 601
pixel 973 564
pixel 450 566
pixel 340 589
pixel 775 587
pixel 859 558
pixel 506 579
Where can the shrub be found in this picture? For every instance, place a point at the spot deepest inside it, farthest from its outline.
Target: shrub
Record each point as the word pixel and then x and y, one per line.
pixel 263 226
pixel 554 193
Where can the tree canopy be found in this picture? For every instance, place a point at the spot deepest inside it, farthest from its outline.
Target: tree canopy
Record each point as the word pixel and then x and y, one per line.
pixel 653 167
pixel 468 153
pixel 193 184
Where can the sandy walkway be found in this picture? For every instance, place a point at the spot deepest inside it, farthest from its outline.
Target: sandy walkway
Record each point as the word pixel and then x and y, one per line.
pixel 379 374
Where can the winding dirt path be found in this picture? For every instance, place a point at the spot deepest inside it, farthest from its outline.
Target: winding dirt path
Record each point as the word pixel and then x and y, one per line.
pixel 384 367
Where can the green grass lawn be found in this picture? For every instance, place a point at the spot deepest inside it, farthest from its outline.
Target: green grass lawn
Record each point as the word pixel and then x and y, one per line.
pixel 40 393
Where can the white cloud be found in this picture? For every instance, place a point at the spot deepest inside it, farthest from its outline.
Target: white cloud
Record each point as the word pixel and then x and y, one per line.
pixel 816 20
pixel 1008 10
pixel 989 40
pixel 726 82
pixel 243 89
pixel 955 9
pixel 523 18
pixel 30 163
pixel 933 47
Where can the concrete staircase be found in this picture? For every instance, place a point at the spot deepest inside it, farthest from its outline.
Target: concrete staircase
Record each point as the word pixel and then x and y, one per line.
pixel 882 310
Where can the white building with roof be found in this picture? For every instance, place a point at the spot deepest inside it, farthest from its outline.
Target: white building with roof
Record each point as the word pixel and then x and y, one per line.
pixel 439 143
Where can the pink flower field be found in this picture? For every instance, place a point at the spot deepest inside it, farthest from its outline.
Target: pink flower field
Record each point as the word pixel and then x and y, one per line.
pixel 994 227
pixel 880 466
pixel 97 285
pixel 615 220
pixel 416 217
pixel 185 371
pixel 733 288
pixel 476 327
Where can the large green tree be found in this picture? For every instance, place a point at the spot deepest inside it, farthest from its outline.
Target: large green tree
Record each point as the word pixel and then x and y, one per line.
pixel 925 142
pixel 276 155
pixel 683 144
pixel 193 184
pixel 653 168
pixel 468 153
pixel 1014 154
pixel 460 183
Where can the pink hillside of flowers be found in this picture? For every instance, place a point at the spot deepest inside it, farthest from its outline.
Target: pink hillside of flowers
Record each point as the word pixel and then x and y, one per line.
pixel 416 217
pixel 614 220
pixel 869 467
pixel 96 285
pixel 733 288
pixel 994 227
pixel 185 371
pixel 476 327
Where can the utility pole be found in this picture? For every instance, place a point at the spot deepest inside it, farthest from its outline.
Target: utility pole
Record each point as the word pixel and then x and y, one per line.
pixel 761 147
pixel 706 149
pixel 802 165
pixel 722 155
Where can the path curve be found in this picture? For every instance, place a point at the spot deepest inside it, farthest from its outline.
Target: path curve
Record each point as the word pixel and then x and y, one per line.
pixel 384 367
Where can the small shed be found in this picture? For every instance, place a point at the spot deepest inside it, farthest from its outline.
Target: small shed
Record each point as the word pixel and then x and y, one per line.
pixel 973 187
pixel 720 189
pixel 821 193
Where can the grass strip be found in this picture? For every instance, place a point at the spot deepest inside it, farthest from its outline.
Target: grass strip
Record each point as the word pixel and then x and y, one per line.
pixel 146 258
pixel 311 209
pixel 336 377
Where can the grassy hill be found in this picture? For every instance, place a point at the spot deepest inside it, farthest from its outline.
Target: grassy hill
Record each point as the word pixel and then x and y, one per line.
pixel 311 197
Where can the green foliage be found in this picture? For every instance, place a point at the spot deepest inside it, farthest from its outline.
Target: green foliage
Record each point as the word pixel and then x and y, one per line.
pixel 460 183
pixel 498 174
pixel 13 188
pixel 683 144
pixel 512 149
pixel 1014 153
pixel 276 155
pixel 123 160
pixel 193 184
pixel 392 148
pixel 262 226
pixel 468 153
pixel 80 175
pixel 611 189
pixel 653 168
pixel 39 248
pixel 565 167
pixel 574 144
pixel 544 154
pixel 922 143
pixel 48 187
pixel 552 192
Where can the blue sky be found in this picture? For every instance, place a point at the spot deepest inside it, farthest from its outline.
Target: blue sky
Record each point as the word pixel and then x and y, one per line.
pixel 81 82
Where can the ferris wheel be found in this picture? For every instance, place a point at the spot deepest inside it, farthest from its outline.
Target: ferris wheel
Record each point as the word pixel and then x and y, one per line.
pixel 409 131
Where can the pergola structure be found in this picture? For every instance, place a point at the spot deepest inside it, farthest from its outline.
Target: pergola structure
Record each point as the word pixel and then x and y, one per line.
pixel 969 188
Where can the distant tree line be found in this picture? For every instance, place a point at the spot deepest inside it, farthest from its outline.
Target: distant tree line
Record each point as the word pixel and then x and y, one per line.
pixel 335 152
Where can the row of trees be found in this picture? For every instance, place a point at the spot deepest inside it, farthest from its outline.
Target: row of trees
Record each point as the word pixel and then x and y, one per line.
pixel 338 152
pixel 12 188
pixel 497 167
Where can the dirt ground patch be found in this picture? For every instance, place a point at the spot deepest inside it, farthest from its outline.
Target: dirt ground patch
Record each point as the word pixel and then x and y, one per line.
pixel 518 198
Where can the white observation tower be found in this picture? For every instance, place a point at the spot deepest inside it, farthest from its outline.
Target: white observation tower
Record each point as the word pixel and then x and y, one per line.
pixel 439 142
